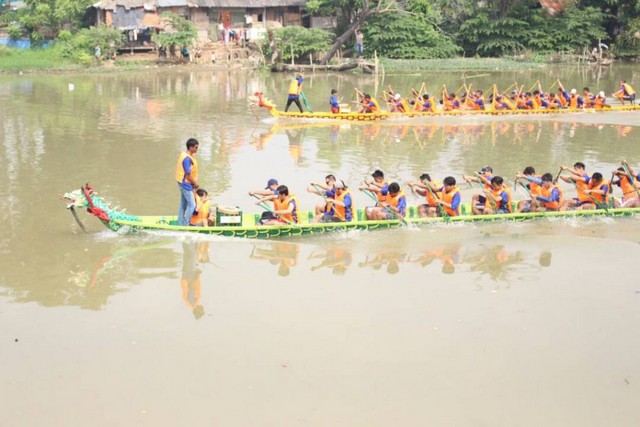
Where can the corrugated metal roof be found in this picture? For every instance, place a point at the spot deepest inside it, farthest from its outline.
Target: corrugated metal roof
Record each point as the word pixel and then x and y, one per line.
pixel 254 4
pixel 237 4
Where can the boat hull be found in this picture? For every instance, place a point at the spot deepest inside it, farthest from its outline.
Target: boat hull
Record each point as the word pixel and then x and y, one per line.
pixel 384 115
pixel 252 231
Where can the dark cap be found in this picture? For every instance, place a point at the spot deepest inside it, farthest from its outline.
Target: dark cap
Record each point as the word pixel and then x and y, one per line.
pixel 486 169
pixel 271 182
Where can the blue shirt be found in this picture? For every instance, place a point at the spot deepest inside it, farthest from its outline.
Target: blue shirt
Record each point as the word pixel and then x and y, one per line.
pixel 186 165
pixel 455 202
pixel 402 205
pixel 333 101
pixel 553 197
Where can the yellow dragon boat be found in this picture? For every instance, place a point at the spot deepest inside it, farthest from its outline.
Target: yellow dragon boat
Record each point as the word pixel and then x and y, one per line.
pixel 258 100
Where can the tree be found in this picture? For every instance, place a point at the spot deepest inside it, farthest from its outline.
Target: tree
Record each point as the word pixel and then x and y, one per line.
pixel 353 12
pixel 284 42
pixel 178 31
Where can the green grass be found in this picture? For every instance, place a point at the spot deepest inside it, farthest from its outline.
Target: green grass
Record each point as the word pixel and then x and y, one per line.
pixel 33 59
pixel 460 64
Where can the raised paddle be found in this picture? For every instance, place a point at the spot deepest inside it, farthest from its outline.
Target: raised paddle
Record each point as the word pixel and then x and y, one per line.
pixel 527 190
pixel 386 208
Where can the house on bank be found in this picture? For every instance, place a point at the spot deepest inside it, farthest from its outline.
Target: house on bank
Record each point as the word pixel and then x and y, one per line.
pixel 244 20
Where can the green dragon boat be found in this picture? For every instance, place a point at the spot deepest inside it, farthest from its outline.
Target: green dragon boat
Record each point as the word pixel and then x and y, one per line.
pixel 233 223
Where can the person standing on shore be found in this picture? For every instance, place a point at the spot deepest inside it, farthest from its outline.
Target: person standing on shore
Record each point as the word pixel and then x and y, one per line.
pixel 187 178
pixel 359 42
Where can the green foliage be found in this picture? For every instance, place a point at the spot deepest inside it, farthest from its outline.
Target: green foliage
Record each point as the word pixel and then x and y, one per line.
pixel 179 32
pixel 299 40
pixel 43 19
pixel 80 47
pixel 494 37
pixel 15 30
pixel 406 36
pixel 33 59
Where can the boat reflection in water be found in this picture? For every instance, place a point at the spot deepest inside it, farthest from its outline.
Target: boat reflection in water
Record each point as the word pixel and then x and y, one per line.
pixel 282 254
pixel 424 134
pixel 480 260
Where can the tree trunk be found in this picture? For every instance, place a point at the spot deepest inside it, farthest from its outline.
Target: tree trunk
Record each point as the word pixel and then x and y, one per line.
pixel 346 35
pixel 275 53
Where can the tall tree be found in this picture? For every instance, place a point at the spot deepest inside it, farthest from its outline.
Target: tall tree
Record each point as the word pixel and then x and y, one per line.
pixel 353 13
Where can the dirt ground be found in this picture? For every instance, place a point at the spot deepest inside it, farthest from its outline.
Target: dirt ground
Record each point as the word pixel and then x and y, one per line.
pixel 212 55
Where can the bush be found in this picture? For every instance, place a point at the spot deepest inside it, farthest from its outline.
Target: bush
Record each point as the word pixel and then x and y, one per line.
pixel 298 40
pixel 81 46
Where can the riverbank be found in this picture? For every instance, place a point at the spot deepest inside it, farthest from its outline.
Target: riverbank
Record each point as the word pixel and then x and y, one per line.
pixel 244 59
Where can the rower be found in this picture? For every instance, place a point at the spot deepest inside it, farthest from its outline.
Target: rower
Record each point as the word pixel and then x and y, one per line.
pixel 575 101
pixel 399 105
pixel 563 97
pixel 588 97
pixel 285 207
pixel 369 105
pixel 379 186
pixel 628 183
pixel 431 190
pixel 549 195
pixel 499 198
pixel 532 185
pixel 449 199
pixel 325 191
pixel 625 93
pixel 427 104
pixel 598 189
pixel 270 190
pixel 483 177
pixel 600 101
pixel 580 180
pixel 340 207
pixel 393 207
pixel 202 216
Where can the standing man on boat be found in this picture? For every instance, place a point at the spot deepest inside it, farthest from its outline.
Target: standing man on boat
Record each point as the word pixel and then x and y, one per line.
pixel 295 87
pixel 187 178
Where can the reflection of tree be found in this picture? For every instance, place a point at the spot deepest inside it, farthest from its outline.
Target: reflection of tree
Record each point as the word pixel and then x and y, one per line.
pixel 283 254
pixel 337 259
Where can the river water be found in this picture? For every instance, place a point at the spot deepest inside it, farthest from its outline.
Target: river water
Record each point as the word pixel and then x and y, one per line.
pixel 522 324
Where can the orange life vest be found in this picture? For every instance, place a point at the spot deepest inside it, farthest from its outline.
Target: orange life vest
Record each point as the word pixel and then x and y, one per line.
pixel 599 102
pixel 394 200
pixel 343 212
pixel 501 203
pixel 602 198
pixel 573 101
pixel 201 214
pixel 629 191
pixel 284 205
pixel 180 170
pixel 431 200
pixel 448 198
pixel 294 87
pixel 546 192
pixel 381 197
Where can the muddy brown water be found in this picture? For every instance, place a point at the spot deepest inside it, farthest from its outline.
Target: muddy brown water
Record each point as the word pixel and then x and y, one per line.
pixel 523 324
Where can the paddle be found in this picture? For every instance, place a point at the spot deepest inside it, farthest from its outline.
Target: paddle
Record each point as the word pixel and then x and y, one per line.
pixel 555 181
pixel 305 101
pixel 321 194
pixel 445 215
pixel 488 196
pixel 386 208
pixel 631 180
pixel 266 207
pixel 517 180
pixel 596 202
